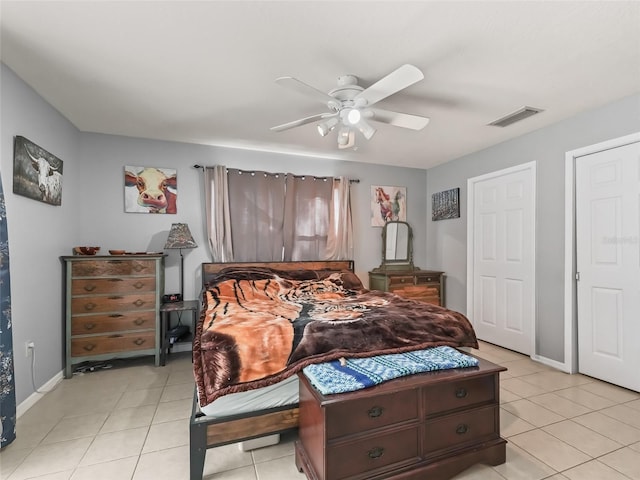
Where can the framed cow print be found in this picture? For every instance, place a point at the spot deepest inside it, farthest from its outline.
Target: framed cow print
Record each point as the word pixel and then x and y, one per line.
pixel 37 174
pixel 150 190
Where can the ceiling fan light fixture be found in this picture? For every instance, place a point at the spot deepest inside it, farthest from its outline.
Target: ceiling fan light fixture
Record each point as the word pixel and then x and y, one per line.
pixel 366 129
pixel 325 127
pixel 346 138
pixel 353 116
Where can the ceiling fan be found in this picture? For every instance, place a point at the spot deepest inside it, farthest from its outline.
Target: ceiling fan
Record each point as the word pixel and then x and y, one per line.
pixel 350 105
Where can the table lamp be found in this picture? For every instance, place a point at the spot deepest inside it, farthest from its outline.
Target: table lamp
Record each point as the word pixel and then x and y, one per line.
pixel 180 237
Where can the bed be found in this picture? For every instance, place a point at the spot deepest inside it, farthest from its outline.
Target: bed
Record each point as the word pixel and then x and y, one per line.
pixel 229 364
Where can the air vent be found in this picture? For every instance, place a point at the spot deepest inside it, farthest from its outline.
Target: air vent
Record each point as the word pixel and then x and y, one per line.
pixel 520 114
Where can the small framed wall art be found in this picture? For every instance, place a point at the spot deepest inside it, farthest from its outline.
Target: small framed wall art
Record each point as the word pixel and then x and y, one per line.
pixel 37 174
pixel 150 190
pixel 445 204
pixel 388 203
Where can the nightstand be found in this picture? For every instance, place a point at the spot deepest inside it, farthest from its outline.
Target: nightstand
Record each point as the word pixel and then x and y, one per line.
pixel 189 306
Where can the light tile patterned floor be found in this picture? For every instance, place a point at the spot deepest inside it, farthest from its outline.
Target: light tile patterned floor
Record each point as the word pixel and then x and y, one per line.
pixel 132 423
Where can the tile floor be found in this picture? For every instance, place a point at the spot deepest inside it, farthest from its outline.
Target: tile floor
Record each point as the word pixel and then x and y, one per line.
pixel 131 423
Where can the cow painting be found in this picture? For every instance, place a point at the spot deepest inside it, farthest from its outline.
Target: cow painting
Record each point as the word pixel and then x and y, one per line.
pixel 150 189
pixel 37 174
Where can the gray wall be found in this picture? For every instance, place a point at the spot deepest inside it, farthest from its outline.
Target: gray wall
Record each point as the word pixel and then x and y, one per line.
pixel 92 213
pixel 447 239
pixel 38 233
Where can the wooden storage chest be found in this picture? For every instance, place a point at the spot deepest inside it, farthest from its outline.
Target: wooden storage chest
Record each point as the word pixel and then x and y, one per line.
pixel 431 425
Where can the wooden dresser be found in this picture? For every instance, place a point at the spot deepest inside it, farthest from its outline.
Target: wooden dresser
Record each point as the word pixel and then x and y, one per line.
pixel 432 425
pixel 424 285
pixel 112 307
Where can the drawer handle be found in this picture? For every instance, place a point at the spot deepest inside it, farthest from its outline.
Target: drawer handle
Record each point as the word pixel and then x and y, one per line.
pixel 89 347
pixel 402 280
pixel 115 279
pixel 115 335
pixel 89 306
pixel 375 412
pixel 462 429
pixel 115 297
pixel 116 315
pixel 138 285
pixel 139 341
pixel 89 326
pixel 461 393
pixel 138 303
pixel 139 321
pixel 89 288
pixel 375 453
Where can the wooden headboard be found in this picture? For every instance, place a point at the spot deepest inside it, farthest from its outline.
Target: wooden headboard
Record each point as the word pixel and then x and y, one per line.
pixel 209 270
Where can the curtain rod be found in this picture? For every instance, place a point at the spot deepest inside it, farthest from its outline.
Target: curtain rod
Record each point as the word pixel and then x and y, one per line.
pixel 351 180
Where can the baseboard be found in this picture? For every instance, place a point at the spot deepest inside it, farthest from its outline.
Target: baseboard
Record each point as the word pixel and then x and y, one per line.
pixel 32 399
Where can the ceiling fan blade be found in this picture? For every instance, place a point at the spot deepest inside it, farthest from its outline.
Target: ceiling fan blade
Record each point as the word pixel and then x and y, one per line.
pixel 404 120
pixel 302 121
pixel 307 90
pixel 401 78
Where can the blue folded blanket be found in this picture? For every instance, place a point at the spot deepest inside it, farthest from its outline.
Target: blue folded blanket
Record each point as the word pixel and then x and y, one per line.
pixel 357 373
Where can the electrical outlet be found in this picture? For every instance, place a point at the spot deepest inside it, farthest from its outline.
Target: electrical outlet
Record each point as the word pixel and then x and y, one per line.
pixel 28 348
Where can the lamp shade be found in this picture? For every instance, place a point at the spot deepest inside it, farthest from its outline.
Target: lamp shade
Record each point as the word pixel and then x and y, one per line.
pixel 180 237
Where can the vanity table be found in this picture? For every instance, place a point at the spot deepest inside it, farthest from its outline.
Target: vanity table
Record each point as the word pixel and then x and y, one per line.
pixel 398 275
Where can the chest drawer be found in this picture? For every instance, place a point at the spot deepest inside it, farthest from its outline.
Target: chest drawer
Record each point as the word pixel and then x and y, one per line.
pixel 113 303
pixel 92 324
pixel 455 395
pixel 469 426
pixel 91 268
pixel 356 416
pixel 100 344
pixel 85 286
pixel 371 454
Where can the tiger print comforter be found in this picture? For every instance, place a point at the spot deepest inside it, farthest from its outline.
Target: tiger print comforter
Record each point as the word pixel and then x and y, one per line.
pixel 259 326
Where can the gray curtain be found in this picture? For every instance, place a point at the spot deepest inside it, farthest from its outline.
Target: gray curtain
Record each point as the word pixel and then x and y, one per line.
pixel 217 215
pixel 256 207
pixel 306 217
pixel 7 384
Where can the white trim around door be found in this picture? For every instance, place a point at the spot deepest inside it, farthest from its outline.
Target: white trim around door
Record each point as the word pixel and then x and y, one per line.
pixel 570 295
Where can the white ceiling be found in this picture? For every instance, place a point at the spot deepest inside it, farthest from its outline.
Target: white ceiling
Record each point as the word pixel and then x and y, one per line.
pixel 204 71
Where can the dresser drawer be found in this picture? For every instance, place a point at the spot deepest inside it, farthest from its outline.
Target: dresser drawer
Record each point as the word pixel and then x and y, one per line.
pixel 471 426
pixel 370 454
pixel 99 344
pixel 400 280
pixel 454 395
pixel 85 286
pixel 424 279
pixel 115 322
pixel 91 268
pixel 360 415
pixel 416 290
pixel 113 303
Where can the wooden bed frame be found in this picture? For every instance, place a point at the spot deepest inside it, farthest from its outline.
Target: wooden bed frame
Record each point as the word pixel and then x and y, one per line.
pixel 206 432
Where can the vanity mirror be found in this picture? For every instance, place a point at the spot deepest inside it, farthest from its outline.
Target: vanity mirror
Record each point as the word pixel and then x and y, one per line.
pixel 398 275
pixel 397 246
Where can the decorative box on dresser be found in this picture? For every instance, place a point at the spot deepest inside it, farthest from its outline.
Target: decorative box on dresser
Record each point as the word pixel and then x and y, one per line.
pixel 426 426
pixel 416 284
pixel 112 307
